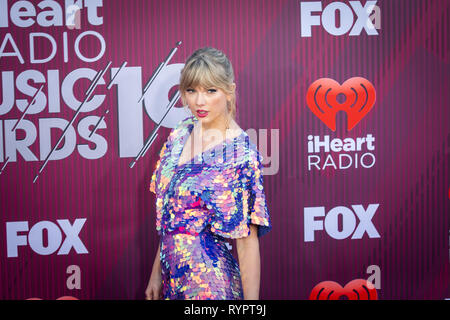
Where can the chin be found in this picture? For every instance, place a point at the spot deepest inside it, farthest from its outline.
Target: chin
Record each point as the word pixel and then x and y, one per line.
pixel 205 120
pixel 209 119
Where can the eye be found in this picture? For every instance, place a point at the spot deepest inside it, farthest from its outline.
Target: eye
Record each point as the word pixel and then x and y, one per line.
pixel 189 90
pixel 212 90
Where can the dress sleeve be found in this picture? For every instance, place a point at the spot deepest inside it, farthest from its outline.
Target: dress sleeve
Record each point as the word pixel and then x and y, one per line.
pixel 236 199
pixel 161 177
pixel 153 179
pixel 157 179
pixel 155 186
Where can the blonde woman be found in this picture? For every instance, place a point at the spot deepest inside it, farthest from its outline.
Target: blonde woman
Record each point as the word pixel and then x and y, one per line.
pixel 208 187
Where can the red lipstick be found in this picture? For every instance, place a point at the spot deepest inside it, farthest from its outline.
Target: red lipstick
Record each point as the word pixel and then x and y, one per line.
pixel 202 113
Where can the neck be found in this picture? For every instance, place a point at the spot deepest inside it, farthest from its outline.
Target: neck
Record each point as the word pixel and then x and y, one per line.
pixel 209 132
pixel 221 124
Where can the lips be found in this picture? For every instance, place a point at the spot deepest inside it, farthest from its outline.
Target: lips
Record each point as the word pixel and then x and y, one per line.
pixel 202 113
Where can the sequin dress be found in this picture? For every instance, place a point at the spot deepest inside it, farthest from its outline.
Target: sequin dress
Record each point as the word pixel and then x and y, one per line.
pixel 216 195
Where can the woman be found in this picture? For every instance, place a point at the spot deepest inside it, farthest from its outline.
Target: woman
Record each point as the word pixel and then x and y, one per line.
pixel 208 187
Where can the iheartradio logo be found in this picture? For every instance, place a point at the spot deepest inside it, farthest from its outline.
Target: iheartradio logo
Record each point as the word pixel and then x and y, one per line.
pixel 60 298
pixel 358 289
pixel 326 98
pixel 322 99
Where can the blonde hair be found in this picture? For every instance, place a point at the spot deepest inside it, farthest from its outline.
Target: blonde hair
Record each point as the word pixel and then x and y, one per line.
pixel 209 67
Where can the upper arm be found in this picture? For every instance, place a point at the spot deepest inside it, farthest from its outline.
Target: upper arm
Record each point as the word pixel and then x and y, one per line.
pixel 252 238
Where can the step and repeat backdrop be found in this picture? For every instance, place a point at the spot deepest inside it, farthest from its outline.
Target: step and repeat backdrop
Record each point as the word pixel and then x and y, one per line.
pixel 347 101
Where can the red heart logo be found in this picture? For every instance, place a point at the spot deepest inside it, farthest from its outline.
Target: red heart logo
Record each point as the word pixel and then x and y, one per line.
pixel 60 298
pixel 359 289
pixel 322 94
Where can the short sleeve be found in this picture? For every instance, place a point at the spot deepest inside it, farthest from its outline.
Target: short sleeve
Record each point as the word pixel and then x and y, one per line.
pixel 156 170
pixel 259 213
pixel 164 153
pixel 236 200
pixel 163 169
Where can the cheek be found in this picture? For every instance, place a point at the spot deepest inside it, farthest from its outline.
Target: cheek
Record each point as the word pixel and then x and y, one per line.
pixel 190 102
pixel 219 104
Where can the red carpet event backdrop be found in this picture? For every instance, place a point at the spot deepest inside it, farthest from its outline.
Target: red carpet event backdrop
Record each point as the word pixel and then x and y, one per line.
pixel 347 101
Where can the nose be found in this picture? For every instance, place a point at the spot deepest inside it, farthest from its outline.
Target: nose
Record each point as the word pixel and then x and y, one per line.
pixel 200 99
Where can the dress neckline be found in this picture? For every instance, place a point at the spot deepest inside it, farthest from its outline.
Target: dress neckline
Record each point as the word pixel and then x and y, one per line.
pixel 186 136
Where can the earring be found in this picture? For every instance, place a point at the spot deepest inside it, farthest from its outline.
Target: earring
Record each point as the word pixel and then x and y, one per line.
pixel 228 121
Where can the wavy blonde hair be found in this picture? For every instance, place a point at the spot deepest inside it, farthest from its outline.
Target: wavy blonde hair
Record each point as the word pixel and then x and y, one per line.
pixel 209 67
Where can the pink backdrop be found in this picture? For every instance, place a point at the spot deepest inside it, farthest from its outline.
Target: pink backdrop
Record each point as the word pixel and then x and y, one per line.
pixel 78 220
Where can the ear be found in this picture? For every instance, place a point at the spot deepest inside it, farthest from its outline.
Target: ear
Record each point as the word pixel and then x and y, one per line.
pixel 233 90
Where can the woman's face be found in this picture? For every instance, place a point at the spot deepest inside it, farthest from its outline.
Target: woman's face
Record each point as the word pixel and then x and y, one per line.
pixel 208 105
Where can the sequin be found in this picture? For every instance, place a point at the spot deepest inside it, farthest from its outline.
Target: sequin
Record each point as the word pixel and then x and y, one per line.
pixel 199 204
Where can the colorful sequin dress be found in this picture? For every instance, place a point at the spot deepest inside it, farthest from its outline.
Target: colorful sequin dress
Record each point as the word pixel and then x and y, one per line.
pixel 216 195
